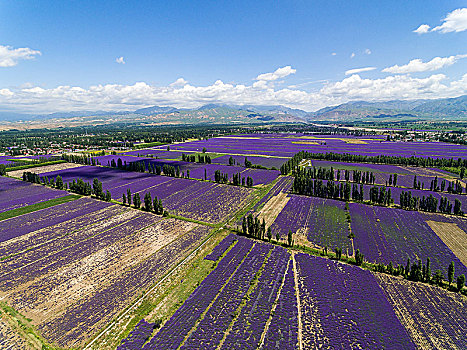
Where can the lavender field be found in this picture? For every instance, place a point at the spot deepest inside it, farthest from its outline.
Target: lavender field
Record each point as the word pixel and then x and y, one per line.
pixel 393 235
pixel 294 301
pixel 287 145
pixel 198 200
pixel 16 194
pixel 102 274
pixel 94 240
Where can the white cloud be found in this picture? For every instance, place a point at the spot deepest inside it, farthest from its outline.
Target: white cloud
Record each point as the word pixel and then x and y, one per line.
pixel 277 74
pixel 179 82
pixel 368 51
pixel 10 57
pixel 108 97
pixel 352 55
pixel 424 28
pixel 417 65
pixel 333 54
pixel 120 60
pixel 359 70
pixel 455 21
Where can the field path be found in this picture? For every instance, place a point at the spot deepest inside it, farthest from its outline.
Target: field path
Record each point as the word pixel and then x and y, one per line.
pixel 297 293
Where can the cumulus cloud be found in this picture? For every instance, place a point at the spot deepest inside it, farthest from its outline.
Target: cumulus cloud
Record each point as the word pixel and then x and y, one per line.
pixel 359 70
pixel 183 94
pixel 333 54
pixel 368 51
pixel 424 28
pixel 120 60
pixel 277 74
pixel 179 82
pixel 455 21
pixel 417 65
pixel 10 57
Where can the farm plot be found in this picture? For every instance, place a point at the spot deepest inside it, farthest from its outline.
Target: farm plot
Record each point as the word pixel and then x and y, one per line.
pixel 288 145
pixel 24 224
pixel 197 200
pixel 453 236
pixel 88 271
pixel 267 162
pixel 321 221
pixel 207 318
pixel 434 317
pixel 16 194
pixel 394 235
pixel 45 169
pixel 345 309
pixel 257 297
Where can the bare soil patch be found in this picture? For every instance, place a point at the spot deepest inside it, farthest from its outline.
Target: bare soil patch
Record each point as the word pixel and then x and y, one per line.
pixel 454 237
pixel 44 169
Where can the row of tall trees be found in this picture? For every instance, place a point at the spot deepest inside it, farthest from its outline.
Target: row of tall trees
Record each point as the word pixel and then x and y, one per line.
pixel 293 162
pixel 200 158
pixel 333 190
pixel 419 272
pixel 256 228
pixel 150 205
pixel 429 204
pixel 80 159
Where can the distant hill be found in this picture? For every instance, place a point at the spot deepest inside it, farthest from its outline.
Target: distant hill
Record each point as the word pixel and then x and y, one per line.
pixel 446 108
pixel 397 110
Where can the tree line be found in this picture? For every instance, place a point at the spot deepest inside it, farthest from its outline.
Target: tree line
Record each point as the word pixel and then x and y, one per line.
pixel 419 272
pixel 150 205
pixel 430 204
pixel 293 162
pixel 256 228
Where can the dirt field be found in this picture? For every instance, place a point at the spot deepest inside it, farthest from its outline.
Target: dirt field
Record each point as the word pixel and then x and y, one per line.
pixel 273 207
pixel 453 237
pixel 44 169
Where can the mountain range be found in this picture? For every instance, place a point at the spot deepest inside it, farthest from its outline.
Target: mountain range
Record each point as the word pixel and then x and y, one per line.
pixel 397 110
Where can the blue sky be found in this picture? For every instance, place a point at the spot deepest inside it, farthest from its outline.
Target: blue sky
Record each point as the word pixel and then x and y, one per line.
pixel 123 55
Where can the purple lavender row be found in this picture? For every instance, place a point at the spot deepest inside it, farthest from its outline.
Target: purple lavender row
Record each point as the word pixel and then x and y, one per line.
pixel 437 318
pixel 283 330
pixel 86 316
pixel 16 193
pixel 247 329
pixel 23 224
pixel 287 147
pixel 78 230
pixel 138 336
pixel 213 326
pixel 172 334
pixel 221 248
pixel 351 307
pixel 217 203
pixel 76 252
pixel 323 220
pixel 177 194
pixel 93 213
pixel 392 235
pixel 268 162
pixel 261 176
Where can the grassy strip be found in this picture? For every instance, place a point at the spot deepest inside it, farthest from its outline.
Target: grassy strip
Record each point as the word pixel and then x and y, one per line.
pixel 149 144
pixel 24 328
pixel 37 206
pixel 34 165
pixel 168 294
